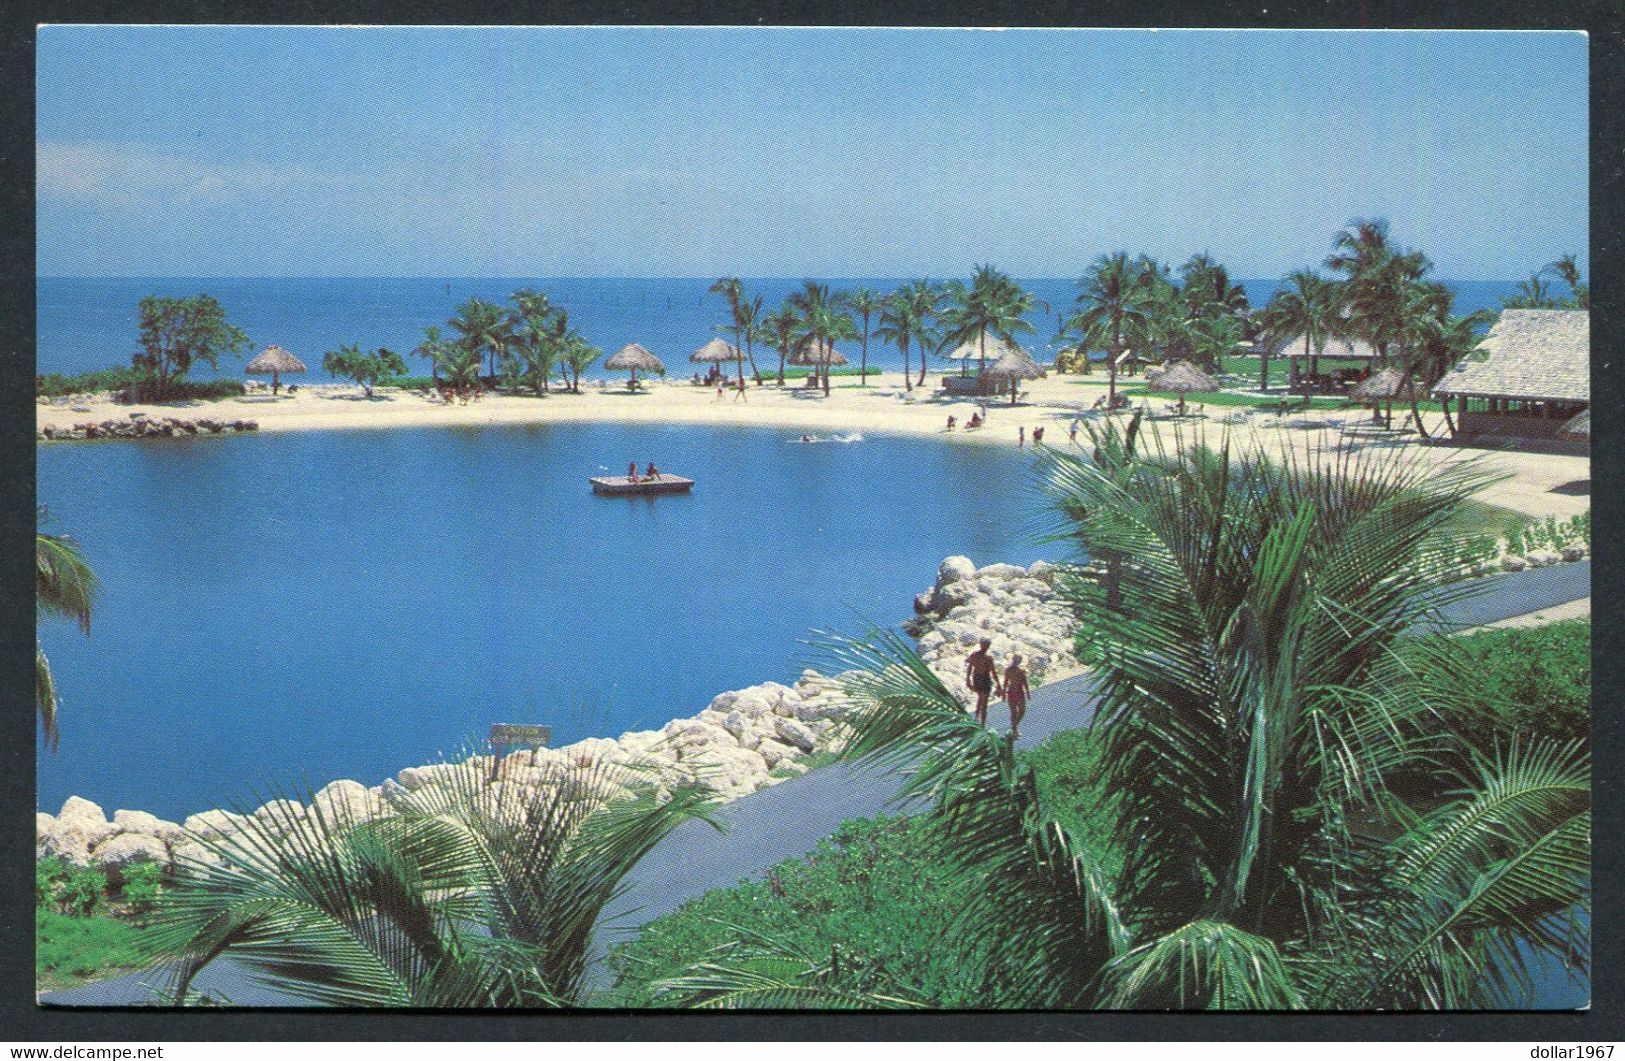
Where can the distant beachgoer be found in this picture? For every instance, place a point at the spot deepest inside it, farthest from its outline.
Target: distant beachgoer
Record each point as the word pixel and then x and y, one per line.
pixel 719 392
pixel 1072 432
pixel 1021 437
pixel 652 473
pixel 1015 695
pixel 974 421
pixel 1038 435
pixel 951 422
pixel 632 472
pixel 981 677
pixel 739 392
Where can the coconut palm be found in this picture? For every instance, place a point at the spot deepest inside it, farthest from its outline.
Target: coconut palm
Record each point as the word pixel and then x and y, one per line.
pixel 461 893
pixel 484 328
pixel 1568 269
pixel 64 588
pixel 579 356
pixel 1257 708
pixel 924 301
pixel 1209 291
pixel 1307 306
pixel 1117 299
pixel 529 337
pixel 992 303
pixel 823 321
pixel 748 317
pixel 460 367
pixel 732 289
pixel 780 327
pixel 432 349
pixel 864 302
pixel 902 324
pixel 1532 293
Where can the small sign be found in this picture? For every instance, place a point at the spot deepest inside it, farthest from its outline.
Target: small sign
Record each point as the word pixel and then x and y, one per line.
pixel 507 733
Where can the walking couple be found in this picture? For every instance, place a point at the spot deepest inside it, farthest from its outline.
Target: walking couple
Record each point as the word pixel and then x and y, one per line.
pixel 982 678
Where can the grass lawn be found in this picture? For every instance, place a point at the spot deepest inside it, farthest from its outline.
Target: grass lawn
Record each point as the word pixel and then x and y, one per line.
pixel 76 950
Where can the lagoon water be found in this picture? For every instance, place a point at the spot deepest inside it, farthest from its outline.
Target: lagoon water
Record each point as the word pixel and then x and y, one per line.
pixel 314 605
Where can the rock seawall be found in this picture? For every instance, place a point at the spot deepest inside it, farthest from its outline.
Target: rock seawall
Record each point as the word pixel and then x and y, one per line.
pixel 744 740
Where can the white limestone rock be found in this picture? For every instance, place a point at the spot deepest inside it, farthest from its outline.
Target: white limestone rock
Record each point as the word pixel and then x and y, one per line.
pixel 794 733
pixel 214 824
pixel 351 802
pixel 117 852
pixel 1571 553
pixel 280 815
pixel 954 569
pixel 1513 563
pixel 139 821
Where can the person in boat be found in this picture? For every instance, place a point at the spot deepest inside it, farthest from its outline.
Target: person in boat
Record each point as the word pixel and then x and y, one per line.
pixel 982 677
pixel 1015 695
pixel 652 473
pixel 632 472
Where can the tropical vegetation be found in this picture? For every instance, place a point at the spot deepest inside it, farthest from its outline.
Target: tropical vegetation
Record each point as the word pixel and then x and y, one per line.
pixel 366 369
pixel 64 588
pixel 1252 624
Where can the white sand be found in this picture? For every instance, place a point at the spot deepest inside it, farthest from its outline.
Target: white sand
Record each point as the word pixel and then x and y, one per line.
pixel 881 407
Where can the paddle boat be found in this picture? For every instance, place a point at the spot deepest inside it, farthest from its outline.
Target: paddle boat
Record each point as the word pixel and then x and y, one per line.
pixel 661 484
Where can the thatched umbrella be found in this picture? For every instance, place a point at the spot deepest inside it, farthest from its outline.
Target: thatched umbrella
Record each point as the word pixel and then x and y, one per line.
pixel 1383 385
pixel 1182 378
pixel 1577 427
pixel 816 354
pixel 273 361
pixel 715 352
pixel 973 350
pixel 1015 365
pixel 634 358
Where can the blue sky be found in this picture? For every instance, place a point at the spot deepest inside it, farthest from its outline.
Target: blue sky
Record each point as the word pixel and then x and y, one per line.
pixel 200 151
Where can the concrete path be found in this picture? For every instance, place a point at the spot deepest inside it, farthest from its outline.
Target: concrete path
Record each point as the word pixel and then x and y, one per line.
pixel 765 828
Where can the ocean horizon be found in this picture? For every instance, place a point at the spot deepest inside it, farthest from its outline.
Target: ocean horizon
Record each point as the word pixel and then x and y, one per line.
pixel 89 323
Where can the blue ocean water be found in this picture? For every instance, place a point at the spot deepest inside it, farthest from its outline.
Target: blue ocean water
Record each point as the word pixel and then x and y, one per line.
pixel 310 606
pixel 89 323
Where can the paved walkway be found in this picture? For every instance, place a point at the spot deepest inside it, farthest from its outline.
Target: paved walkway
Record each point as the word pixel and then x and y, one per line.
pixel 765 828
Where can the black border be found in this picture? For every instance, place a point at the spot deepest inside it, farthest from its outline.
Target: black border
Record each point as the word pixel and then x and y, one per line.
pixel 20 1019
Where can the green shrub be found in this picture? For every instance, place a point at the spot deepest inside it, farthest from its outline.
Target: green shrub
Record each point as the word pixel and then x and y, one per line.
pixel 142 885
pixel 49 875
pixel 876 893
pixel 81 890
pixel 72 950
pixel 1067 767
pixel 1531 681
pixel 56 385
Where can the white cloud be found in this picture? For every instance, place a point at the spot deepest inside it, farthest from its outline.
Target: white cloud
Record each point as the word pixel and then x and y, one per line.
pixel 117 177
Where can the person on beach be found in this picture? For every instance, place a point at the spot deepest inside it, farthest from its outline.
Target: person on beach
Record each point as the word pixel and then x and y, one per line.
pixel 652 473
pixel 1038 435
pixel 1021 437
pixel 1015 695
pixel 739 393
pixel 1072 433
pixel 632 472
pixel 951 422
pixel 982 678
pixel 719 392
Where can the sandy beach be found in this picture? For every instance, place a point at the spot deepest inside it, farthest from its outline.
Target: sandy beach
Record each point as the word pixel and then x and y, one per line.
pixel 883 407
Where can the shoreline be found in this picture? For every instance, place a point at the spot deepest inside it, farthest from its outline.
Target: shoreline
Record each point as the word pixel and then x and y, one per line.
pixel 882 408
pixel 743 740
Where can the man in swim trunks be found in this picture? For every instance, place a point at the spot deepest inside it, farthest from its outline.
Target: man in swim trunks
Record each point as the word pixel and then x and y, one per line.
pixel 982 678
pixel 1015 695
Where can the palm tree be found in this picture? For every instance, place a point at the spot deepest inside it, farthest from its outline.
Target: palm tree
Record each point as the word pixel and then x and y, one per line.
pixel 1306 306
pixel 65 588
pixel 823 322
pixel 1568 268
pixel 461 364
pixel 748 319
pixel 992 303
pixel 900 325
pixel 1117 298
pixel 731 288
pixel 1532 294
pixel 1257 710
pixel 924 299
pixel 529 329
pixel 483 328
pixel 462 894
pixel 781 325
pixel 864 302
pixel 578 357
pixel 431 348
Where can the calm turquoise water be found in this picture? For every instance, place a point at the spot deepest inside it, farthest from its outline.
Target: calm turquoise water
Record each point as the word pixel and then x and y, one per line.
pixel 345 604
pixel 87 324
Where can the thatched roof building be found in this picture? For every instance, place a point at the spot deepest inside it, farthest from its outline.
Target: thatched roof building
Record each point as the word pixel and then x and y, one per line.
pixel 1528 380
pixel 1335 348
pixel 1529 355
pixel 973 350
